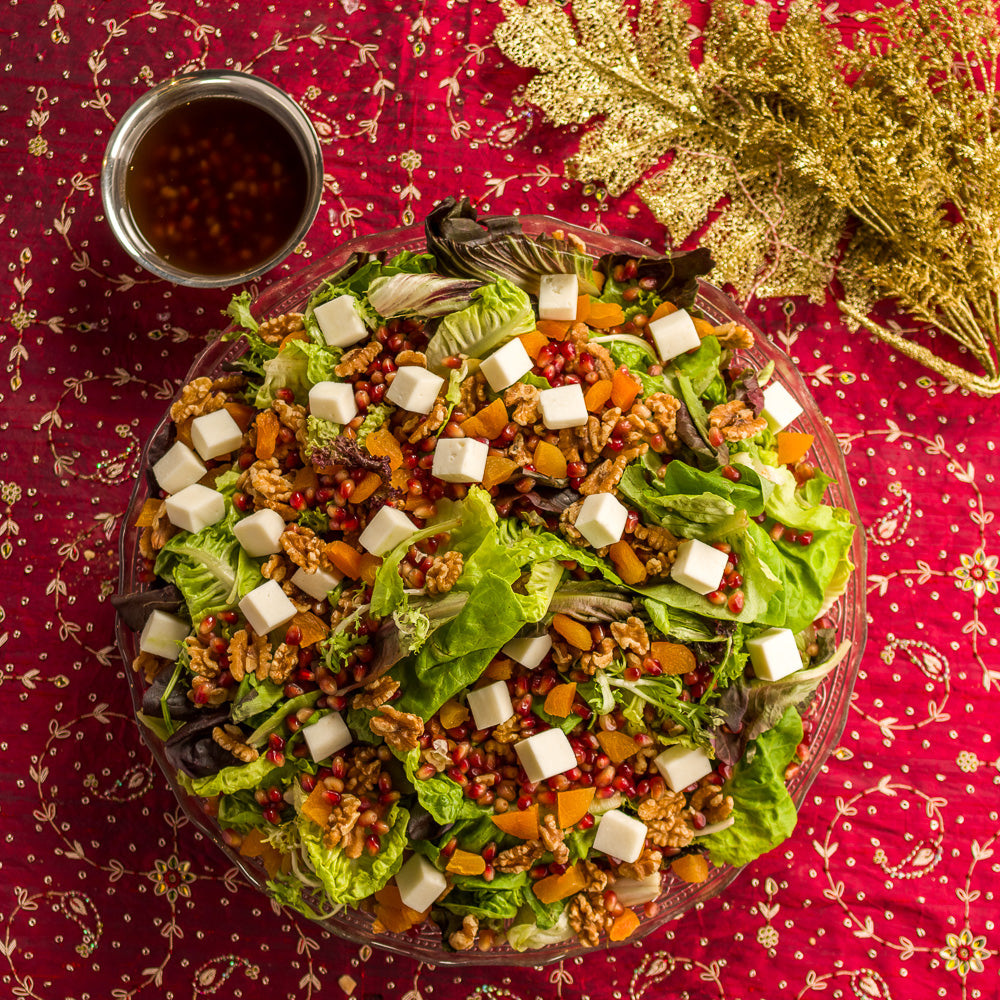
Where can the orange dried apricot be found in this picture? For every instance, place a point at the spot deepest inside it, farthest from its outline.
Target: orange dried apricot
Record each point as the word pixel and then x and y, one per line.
pixel 549 460
pixel 556 887
pixel 597 395
pixel 572 805
pixel 673 657
pixel 690 867
pixel 520 823
pixel 629 566
pixel 559 701
pixel 573 632
pixel 792 446
pixel 617 745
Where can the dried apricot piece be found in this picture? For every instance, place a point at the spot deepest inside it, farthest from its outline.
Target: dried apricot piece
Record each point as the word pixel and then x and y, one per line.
pixel 630 567
pixel 583 304
pixel 317 807
pixel 242 413
pixel 792 446
pixel 597 395
pixel 148 513
pixel 556 887
pixel 533 342
pixel 559 701
pixel 345 557
pixel 554 329
pixel 382 444
pixel 520 823
pixel 368 485
pixel 624 925
pixel 703 327
pixel 673 657
pixel 663 309
pixel 489 422
pixel 604 315
pixel 573 632
pixel 549 461
pixel 452 714
pixel 624 388
pixel 690 867
pixel 267 434
pixel 313 628
pixel 498 470
pixel 617 745
pixel 466 863
pixel 572 805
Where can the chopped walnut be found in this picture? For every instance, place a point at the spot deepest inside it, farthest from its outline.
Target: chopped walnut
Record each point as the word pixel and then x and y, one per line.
pixel 734 336
pixel 157 534
pixel 518 453
pixel 599 431
pixel 238 646
pixel 522 400
pixel 600 657
pixel 649 861
pixel 284 660
pixel 552 837
pixel 292 416
pixel 563 654
pixel 417 358
pixel 507 732
pixel 400 730
pixel 579 335
pixel 206 691
pixel 595 879
pixel 656 538
pixel 302 547
pixel 268 488
pixel 663 815
pixel 259 656
pixel 419 427
pixel 601 480
pixel 231 738
pixel 275 329
pixel 568 443
pixel 444 572
pixel 202 662
pixel 356 361
pixel 520 857
pixel 377 693
pixel 148 665
pixel 464 939
pixel 631 635
pixel 342 821
pixel 197 398
pixel 736 420
pixel 588 918
pixel 473 394
pixel 710 802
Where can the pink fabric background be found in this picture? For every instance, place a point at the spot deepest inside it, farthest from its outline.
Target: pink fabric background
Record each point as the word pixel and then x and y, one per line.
pixel 105 891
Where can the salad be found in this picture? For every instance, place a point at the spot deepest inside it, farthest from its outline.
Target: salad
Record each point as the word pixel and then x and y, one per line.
pixel 489 591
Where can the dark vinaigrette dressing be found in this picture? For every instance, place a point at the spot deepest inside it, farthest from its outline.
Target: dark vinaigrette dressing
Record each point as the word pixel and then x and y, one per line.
pixel 216 186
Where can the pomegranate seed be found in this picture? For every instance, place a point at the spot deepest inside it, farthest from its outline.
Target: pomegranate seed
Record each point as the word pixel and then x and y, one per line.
pixel 273 815
pixel 275 742
pixel 715 437
pixel 777 530
pixel 525 802
pixel 298 501
pixel 286 395
pixel 293 636
pixel 735 602
pixel 242 502
pixel 632 673
pixel 308 782
pixel 449 849
pixel 489 852
pixel 806 538
pixel 716 597
pixel 586 822
pixel 488 874
pixel 731 473
pixel 276 757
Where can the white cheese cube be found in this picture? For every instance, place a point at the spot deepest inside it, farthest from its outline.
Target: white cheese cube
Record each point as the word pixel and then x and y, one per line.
pixel 545 754
pixel 681 766
pixel 326 736
pixel 195 507
pixel 620 835
pixel 178 468
pixel 163 634
pixel 674 335
pixel 529 652
pixel 490 705
pixel 215 434
pixel 460 460
pixel 333 401
pixel 419 883
pixel 260 533
pixel 633 892
pixel 340 322
pixel 774 654
pixel 698 566
pixel 414 389
pixel 557 296
pixel 601 519
pixel 386 530
pixel 266 607
pixel 317 584
pixel 504 367
pixel 780 407
pixel 563 407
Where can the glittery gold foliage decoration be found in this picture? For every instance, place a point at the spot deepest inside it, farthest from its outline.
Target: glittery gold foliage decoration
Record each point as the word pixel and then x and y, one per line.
pixel 811 151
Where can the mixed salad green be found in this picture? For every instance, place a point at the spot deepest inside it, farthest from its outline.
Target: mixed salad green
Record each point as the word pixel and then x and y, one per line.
pixel 634 663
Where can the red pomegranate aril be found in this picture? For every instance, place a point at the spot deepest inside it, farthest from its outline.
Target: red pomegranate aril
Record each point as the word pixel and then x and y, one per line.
pixel 715 437
pixel 716 597
pixel 632 673
pixel 615 444
pixel 242 502
pixel 276 757
pixel 449 849
pixel 293 636
pixel 308 782
pixel 488 874
pixel 776 532
pixel 731 473
pixel 805 538
pixel 525 802
pixel 372 845
pixel 586 822
pixel 297 500
pixel 735 603
pixel 604 777
pixel 426 771
pixel 286 395
pixel 273 815
pixel 275 742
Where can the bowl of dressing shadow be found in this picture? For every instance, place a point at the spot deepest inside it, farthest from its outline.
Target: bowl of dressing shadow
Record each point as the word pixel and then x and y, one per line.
pixel 212 178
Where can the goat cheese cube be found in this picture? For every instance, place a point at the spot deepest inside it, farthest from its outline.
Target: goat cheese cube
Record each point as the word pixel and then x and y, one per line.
pixel 333 401
pixel 545 754
pixel 419 883
pixel 317 584
pixel 774 654
pixel 504 367
pixel 780 407
pixel 195 507
pixel 563 407
pixel 674 335
pixel 162 635
pixel 490 705
pixel 215 434
pixel 601 519
pixel 529 652
pixel 632 891
pixel 178 468
pixel 266 607
pixel 326 736
pixel 414 389
pixel 620 835
pixel 557 296
pixel 340 322
pixel 681 766
pixel 460 460
pixel 698 566
pixel 260 533
pixel 386 530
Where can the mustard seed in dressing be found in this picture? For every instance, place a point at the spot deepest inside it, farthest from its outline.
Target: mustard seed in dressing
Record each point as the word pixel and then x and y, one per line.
pixel 216 186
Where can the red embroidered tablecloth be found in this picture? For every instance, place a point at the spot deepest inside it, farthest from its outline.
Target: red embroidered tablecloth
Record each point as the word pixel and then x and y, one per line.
pixel 888 888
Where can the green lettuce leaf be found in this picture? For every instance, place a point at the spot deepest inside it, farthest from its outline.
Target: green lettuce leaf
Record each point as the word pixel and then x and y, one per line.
pixel 375 417
pixel 298 366
pixel 320 433
pixel 236 778
pixel 763 811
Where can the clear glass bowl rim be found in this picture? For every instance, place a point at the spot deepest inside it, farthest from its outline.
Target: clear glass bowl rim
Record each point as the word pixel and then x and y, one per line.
pixel 849 614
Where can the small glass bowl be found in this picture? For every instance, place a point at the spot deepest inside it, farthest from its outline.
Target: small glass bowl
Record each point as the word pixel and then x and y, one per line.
pixel 149 109
pixel 830 707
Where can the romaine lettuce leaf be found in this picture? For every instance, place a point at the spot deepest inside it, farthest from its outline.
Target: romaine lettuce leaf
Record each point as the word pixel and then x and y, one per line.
pixel 298 366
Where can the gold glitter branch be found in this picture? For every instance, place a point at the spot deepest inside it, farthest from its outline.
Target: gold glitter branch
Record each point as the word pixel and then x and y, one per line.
pixel 804 163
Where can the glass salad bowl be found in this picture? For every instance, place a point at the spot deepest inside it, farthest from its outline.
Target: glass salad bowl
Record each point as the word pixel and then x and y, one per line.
pixel 829 710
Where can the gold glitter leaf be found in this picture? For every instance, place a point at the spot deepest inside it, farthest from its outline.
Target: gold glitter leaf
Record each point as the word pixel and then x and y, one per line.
pixel 796 136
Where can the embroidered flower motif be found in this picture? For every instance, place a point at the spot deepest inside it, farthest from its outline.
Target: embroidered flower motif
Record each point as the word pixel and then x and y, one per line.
pixel 10 492
pixel 410 160
pixel 312 93
pixel 171 878
pixel 22 319
pixel 38 146
pixel 964 952
pixel 767 936
pixel 967 762
pixel 978 573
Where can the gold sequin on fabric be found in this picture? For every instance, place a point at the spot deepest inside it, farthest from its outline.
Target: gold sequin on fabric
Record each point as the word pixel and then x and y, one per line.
pixel 805 146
